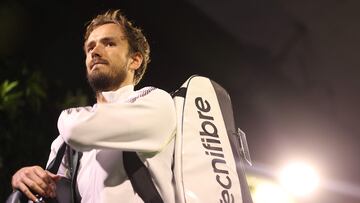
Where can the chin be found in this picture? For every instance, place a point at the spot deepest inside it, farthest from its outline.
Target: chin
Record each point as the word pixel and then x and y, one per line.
pixel 100 81
pixel 94 72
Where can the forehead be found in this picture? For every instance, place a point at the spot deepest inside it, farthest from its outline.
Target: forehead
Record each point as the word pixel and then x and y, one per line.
pixel 110 30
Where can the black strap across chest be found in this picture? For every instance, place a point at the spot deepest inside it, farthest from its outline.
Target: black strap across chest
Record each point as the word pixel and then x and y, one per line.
pixel 137 172
pixel 140 178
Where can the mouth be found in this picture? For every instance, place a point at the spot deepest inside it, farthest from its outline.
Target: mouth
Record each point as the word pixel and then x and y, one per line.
pixel 98 62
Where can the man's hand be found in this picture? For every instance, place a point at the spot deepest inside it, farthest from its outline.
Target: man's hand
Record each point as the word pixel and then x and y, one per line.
pixel 35 179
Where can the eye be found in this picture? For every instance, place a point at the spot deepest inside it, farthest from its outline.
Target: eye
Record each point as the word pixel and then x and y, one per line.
pixel 89 49
pixel 110 44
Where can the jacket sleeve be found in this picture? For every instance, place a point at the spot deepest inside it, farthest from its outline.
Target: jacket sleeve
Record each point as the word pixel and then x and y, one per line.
pixel 144 125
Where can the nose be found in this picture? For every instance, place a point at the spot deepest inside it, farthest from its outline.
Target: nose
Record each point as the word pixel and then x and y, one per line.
pixel 96 51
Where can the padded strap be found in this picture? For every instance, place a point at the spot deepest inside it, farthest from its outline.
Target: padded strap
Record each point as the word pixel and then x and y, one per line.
pixel 140 178
pixel 181 92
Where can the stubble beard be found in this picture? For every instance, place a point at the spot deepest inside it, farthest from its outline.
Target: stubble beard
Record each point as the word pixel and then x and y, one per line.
pixel 101 81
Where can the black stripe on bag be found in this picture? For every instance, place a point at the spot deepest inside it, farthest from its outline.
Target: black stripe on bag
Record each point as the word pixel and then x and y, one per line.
pixel 228 116
pixel 140 178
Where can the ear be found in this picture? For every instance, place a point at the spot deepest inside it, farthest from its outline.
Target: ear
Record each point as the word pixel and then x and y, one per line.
pixel 135 61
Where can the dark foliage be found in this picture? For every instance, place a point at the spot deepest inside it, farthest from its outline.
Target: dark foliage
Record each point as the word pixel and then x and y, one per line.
pixel 28 118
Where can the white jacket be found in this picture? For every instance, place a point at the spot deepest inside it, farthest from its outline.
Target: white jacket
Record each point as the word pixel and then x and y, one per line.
pixel 143 121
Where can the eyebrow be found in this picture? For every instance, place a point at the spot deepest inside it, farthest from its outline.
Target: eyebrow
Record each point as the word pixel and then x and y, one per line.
pixel 102 40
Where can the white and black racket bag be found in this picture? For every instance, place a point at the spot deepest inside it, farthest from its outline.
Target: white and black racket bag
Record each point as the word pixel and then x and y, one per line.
pixel 210 152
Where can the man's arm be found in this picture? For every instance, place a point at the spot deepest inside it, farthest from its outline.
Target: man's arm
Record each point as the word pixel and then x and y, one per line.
pixel 145 125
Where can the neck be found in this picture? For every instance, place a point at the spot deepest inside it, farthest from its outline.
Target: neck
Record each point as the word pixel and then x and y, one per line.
pixel 100 98
pixel 128 81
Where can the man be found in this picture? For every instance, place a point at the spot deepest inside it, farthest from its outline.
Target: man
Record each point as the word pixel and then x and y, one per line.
pixel 143 121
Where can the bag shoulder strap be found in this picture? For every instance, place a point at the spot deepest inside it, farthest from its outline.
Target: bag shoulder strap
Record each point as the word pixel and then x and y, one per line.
pixel 140 178
pixel 137 172
pixel 181 92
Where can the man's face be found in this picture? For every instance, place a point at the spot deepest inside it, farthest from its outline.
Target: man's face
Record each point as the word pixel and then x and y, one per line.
pixel 107 58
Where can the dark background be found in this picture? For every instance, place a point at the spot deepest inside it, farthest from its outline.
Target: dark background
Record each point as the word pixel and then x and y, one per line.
pixel 291 68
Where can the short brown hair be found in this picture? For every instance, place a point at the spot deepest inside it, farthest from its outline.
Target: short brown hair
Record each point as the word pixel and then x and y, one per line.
pixel 135 37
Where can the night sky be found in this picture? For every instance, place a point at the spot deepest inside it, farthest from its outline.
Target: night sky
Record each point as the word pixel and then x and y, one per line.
pixel 291 68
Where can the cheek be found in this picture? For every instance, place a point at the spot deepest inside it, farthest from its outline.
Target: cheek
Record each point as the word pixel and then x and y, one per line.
pixel 87 62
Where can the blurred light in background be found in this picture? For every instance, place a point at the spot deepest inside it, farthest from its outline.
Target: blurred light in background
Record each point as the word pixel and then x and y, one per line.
pixel 294 183
pixel 300 179
pixel 267 191
pixel 271 193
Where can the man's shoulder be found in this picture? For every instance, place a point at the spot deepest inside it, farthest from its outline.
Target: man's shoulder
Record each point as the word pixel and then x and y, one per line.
pixel 150 92
pixel 148 89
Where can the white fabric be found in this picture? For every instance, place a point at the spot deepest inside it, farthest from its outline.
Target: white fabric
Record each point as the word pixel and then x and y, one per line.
pixel 205 167
pixel 143 121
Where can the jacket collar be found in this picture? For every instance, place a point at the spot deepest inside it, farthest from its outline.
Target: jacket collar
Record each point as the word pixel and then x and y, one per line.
pixel 118 95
